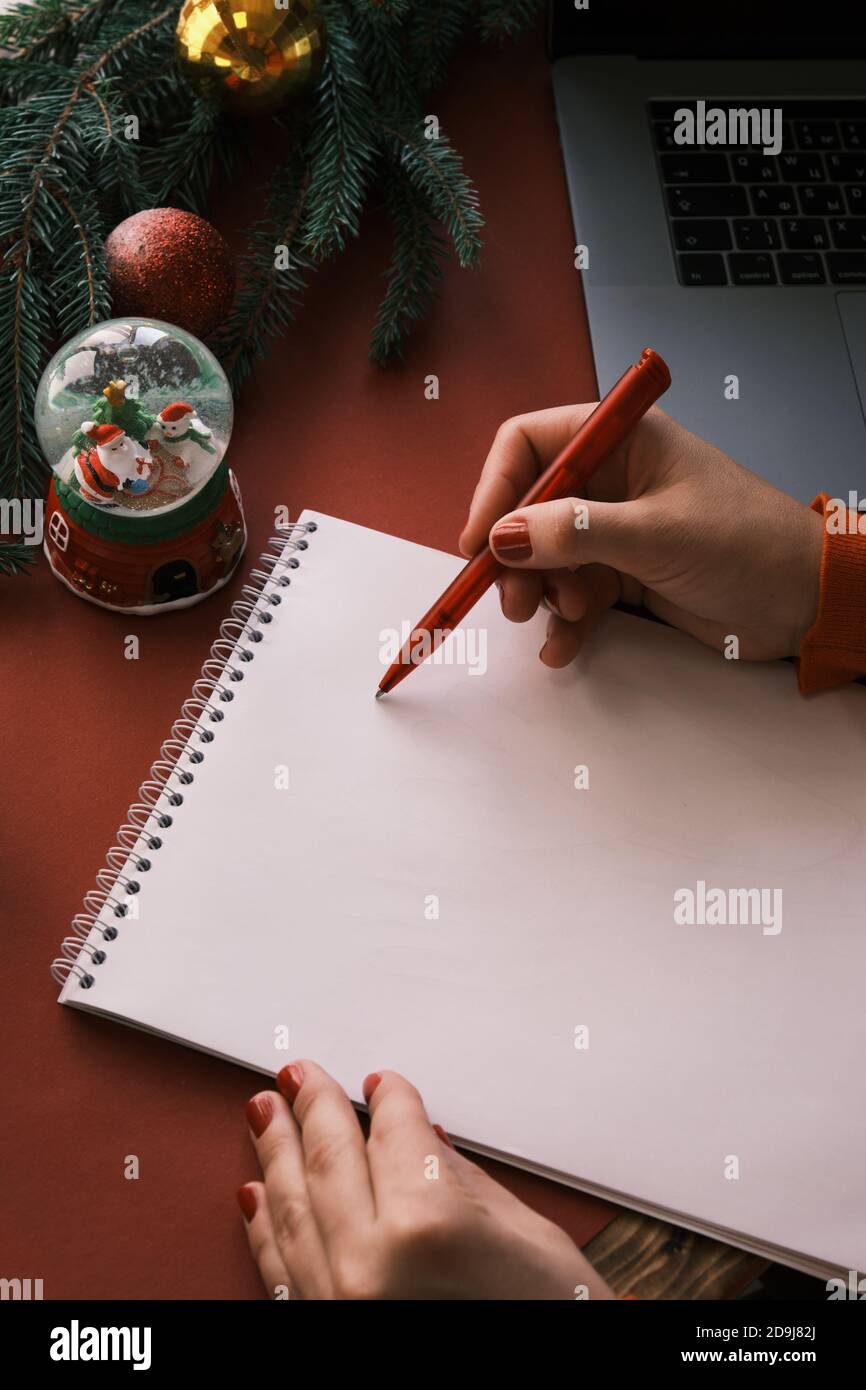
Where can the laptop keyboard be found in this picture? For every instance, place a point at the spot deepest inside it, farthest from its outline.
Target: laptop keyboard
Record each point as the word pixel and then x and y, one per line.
pixel 740 217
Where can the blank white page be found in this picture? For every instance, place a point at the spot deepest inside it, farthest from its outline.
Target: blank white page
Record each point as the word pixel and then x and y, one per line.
pixel 433 893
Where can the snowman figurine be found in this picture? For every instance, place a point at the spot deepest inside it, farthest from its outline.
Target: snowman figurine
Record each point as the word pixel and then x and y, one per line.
pixel 111 463
pixel 180 431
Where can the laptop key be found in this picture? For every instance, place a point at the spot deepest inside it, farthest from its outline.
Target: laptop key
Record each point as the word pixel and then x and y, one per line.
pixel 801 268
pixel 803 168
pixel 846 267
pixel 752 269
pixel 847 168
pixel 757 234
pixel 805 234
pixel 701 234
pixel 820 197
pixel 817 135
pixel 853 134
pixel 702 270
pixel 754 168
pixel 775 198
pixel 849 233
pixel 695 168
pixel 856 193
pixel 707 200
pixel 663 133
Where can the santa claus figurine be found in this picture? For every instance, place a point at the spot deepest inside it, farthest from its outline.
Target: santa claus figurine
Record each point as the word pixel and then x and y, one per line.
pixel 115 463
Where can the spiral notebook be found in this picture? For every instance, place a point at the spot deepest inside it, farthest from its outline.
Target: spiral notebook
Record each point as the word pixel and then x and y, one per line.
pixel 505 882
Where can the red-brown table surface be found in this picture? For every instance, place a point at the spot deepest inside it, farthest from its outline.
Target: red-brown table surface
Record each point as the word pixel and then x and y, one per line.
pixel 318 426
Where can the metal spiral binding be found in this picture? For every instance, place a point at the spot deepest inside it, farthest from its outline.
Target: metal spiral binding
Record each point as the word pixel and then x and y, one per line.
pixel 144 821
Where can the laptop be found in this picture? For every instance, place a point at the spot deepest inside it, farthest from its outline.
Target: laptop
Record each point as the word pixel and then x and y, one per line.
pixel 745 269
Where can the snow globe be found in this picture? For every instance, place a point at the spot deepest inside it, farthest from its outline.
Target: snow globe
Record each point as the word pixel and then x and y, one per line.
pixel 143 513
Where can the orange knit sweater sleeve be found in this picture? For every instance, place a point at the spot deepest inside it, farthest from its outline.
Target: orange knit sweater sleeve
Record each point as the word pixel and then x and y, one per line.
pixel 834 649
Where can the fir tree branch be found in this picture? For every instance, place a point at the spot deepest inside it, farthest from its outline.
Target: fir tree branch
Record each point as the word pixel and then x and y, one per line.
pixel 266 302
pixel 435 33
pixel 15 558
pixel 125 40
pixel 91 91
pixel 415 269
pixel 436 171
pixel 87 252
pixel 22 29
pixel 499 19
pixel 29 312
pixel 341 147
pixel 79 301
pixel 180 166
pixel 386 11
pixel 384 47
pixel 22 301
pixel 84 83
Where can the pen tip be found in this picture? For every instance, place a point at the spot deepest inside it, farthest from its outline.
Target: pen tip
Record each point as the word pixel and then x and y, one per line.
pixel 380 694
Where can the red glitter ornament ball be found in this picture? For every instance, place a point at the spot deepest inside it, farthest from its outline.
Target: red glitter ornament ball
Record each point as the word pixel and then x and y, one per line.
pixel 171 265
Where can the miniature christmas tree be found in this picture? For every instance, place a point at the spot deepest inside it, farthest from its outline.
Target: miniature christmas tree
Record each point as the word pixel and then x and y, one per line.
pixel 113 408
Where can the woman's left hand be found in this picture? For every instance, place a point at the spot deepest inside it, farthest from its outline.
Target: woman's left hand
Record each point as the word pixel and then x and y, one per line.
pixel 399 1215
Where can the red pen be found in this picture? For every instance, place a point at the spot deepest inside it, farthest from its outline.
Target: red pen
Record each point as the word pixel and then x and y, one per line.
pixel 601 432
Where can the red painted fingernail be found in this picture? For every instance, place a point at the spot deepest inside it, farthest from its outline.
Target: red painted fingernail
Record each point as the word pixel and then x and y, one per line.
pixel 247 1201
pixel 443 1136
pixel 290 1080
pixel 259 1112
pixel 541 653
pixel 370 1084
pixel 510 539
pixel 551 594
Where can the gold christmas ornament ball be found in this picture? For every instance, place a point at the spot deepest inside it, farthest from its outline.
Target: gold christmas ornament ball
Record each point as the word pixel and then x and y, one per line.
pixel 258 54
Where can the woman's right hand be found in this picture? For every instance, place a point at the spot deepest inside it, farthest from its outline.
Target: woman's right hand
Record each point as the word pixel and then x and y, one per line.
pixel 669 522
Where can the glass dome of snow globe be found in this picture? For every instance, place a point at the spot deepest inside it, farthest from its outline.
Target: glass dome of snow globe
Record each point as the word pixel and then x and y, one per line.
pixel 134 416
